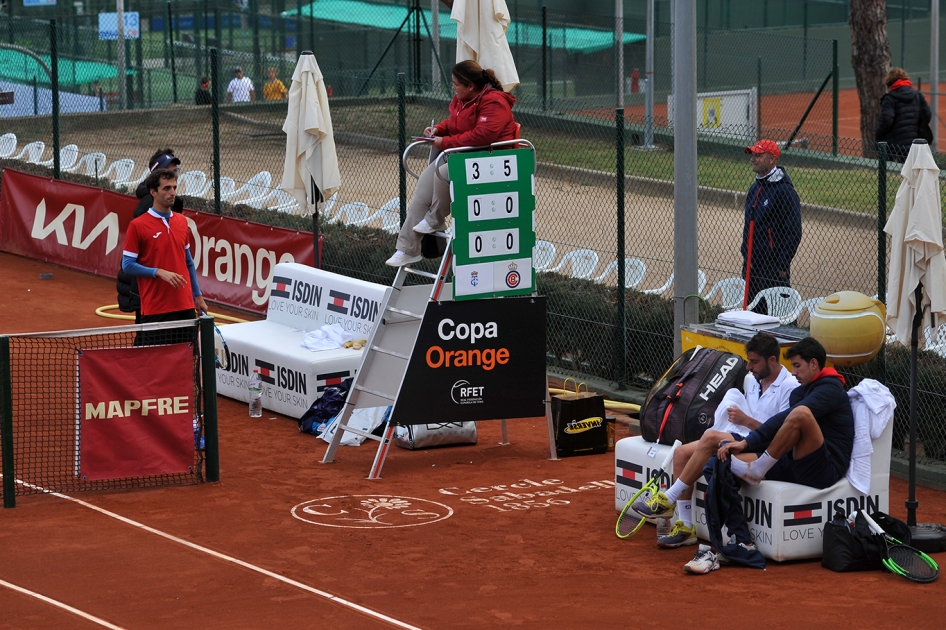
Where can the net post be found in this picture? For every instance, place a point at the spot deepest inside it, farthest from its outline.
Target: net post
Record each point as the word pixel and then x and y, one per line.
pixel 208 371
pixel 6 424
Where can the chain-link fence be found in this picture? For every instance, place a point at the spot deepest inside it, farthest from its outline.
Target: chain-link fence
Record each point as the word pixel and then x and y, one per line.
pixel 750 85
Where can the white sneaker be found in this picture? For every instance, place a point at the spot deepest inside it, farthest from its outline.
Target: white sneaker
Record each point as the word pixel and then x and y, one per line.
pixel 424 228
pixel 399 259
pixel 703 562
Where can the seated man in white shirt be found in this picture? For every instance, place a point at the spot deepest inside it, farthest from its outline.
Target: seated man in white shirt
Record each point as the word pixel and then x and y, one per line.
pixel 767 388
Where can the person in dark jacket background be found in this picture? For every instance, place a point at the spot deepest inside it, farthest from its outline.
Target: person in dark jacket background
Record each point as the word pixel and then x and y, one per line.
pixel 904 116
pixel 129 300
pixel 773 215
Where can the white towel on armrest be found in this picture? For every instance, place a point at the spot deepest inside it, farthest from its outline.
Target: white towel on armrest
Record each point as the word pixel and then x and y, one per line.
pixel 873 406
pixel 328 337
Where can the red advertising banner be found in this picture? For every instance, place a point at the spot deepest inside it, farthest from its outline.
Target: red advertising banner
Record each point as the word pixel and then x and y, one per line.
pixel 136 412
pixel 83 227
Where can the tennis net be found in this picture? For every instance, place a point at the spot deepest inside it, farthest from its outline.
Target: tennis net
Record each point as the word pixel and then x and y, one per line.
pixel 91 409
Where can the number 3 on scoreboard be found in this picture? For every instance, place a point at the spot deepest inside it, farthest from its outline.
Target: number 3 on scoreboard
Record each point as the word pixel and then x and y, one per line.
pixel 485 170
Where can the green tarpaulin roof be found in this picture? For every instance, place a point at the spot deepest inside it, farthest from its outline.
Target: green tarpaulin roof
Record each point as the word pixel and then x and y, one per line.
pixel 21 68
pixel 572 39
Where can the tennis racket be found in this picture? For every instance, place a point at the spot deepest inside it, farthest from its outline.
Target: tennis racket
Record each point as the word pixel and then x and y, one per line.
pixel 221 351
pixel 904 560
pixel 630 521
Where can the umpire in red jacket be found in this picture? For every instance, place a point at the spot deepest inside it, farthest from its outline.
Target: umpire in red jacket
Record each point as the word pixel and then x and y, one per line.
pixel 480 114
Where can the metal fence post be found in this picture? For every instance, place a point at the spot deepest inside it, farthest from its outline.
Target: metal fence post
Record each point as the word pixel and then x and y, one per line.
pixel 834 97
pixel 215 124
pixel 620 358
pixel 882 242
pixel 6 424
pixel 401 145
pixel 545 54
pixel 54 80
pixel 209 386
pixel 298 30
pixel 171 47
pixel 758 100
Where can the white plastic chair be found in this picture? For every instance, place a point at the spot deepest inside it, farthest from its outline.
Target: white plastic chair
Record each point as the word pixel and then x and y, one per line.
pixel 809 306
pixel 355 213
pixel 192 183
pixel 67 157
pixel 133 183
pixel 543 255
pixel 91 164
pixel 390 214
pixel 634 272
pixel 782 302
pixel 583 263
pixel 700 284
pixel 282 201
pixel 119 170
pixel 7 145
pixel 33 152
pixel 731 292
pixel 254 188
pixel 227 189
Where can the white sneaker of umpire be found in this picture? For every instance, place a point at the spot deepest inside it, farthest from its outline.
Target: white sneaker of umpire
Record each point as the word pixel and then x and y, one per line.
pixel 424 228
pixel 703 562
pixel 399 259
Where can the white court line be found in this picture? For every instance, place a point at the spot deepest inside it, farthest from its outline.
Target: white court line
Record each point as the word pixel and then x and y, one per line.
pixel 216 554
pixel 49 600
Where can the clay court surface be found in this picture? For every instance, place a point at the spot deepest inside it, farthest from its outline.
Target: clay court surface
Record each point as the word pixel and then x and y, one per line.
pixel 552 563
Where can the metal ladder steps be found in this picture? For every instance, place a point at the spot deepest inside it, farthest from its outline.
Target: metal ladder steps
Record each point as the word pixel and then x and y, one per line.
pixel 391 353
pixel 365 434
pixel 373 392
pixel 418 272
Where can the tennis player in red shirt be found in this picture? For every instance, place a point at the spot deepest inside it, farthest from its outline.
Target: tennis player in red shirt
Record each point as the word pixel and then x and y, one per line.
pixel 157 251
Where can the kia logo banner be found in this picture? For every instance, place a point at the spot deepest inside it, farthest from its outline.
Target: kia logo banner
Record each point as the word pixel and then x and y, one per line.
pixel 476 360
pixel 83 227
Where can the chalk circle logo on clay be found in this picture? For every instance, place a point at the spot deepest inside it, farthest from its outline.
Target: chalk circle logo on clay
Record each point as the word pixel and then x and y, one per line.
pixel 371 511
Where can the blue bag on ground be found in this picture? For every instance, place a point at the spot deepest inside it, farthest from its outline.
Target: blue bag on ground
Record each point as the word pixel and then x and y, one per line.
pixel 325 408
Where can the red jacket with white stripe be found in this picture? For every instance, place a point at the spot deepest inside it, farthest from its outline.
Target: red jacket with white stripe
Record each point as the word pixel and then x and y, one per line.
pixel 478 122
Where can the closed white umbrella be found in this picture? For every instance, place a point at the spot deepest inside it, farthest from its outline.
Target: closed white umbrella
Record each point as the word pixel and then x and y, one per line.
pixel 481 36
pixel 915 228
pixel 917 275
pixel 310 145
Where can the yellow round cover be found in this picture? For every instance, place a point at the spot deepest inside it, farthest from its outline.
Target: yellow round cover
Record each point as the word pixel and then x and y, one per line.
pixel 850 326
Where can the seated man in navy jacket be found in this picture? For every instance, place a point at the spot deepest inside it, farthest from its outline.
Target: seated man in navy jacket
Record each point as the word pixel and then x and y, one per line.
pixel 810 443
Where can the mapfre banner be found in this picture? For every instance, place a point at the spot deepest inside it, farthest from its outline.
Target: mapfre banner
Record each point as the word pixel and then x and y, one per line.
pixel 136 412
pixel 82 227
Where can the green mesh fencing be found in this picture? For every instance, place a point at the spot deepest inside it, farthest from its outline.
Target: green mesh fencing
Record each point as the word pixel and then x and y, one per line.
pixel 750 85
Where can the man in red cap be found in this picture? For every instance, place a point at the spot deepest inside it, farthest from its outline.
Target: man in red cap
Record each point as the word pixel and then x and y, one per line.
pixel 772 229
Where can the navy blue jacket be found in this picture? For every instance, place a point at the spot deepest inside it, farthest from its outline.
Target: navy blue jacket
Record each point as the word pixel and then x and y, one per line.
pixel 829 403
pixel 777 212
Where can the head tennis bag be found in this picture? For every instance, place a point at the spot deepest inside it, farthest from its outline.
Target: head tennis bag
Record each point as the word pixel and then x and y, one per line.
pixel 680 406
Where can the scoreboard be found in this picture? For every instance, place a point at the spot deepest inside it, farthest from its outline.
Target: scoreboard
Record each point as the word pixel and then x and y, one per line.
pixel 493 209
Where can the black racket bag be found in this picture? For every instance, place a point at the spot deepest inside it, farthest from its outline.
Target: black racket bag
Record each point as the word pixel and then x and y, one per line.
pixel 681 405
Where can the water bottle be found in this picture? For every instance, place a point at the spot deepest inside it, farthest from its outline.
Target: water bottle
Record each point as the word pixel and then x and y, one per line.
pixel 256 395
pixel 664 526
pixel 198 438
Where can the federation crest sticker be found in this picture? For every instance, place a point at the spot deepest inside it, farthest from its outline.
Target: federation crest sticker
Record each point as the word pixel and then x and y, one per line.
pixel 474 278
pixel 513 278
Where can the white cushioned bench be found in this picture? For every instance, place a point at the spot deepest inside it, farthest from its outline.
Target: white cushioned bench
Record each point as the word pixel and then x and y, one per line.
pixel 786 520
pixel 302 299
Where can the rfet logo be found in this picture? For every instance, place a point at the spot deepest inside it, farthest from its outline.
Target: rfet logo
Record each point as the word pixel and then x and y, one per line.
pixel 281 286
pixel 805 514
pixel 629 474
pixel 332 379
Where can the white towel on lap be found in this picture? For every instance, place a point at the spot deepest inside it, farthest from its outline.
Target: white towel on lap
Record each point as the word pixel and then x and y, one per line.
pixel 873 407
pixel 328 337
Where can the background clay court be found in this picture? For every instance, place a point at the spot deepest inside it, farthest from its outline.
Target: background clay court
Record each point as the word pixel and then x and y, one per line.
pixel 502 564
